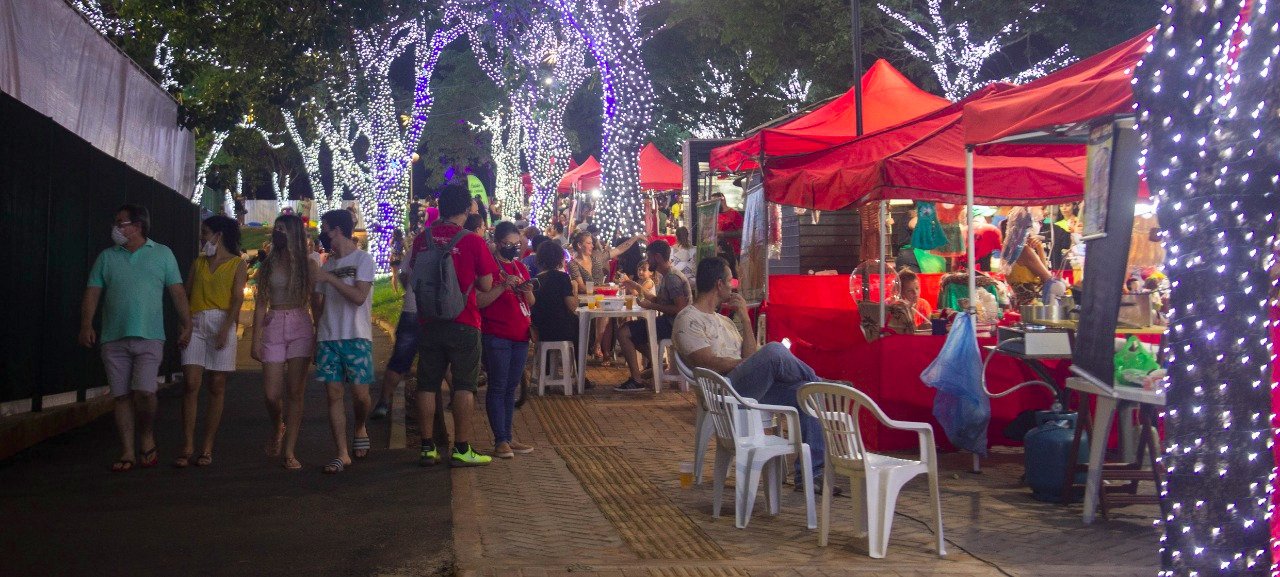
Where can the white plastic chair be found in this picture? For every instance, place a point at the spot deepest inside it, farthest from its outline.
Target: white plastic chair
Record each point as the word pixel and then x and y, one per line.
pixel 742 442
pixel 543 369
pixel 703 428
pixel 668 351
pixel 876 479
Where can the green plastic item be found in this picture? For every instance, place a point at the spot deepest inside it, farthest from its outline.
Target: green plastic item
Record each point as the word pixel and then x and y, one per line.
pixel 929 262
pixel 1135 359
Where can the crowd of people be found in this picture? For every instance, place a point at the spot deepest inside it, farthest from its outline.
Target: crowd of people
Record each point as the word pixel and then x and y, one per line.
pixel 475 297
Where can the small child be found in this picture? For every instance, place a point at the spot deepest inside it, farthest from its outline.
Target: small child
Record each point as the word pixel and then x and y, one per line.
pixel 645 277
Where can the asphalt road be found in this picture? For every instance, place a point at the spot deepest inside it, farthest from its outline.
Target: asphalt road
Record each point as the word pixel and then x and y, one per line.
pixel 62 512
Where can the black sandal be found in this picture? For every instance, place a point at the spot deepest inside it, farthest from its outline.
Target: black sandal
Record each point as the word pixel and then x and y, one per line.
pixel 122 466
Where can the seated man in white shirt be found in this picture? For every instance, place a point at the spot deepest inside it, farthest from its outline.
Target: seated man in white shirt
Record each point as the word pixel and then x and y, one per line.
pixel 770 374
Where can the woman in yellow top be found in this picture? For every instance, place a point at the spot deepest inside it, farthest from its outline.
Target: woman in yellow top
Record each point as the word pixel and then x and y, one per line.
pixel 215 289
pixel 1028 267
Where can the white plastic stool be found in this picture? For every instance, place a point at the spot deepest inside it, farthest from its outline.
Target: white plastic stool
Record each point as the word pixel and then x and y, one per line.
pixel 668 351
pixel 546 377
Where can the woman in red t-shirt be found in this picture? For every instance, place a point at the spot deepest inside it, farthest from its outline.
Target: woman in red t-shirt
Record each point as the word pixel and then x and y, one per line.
pixel 504 314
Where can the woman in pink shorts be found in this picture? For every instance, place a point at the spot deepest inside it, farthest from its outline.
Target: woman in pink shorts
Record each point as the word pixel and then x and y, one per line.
pixel 283 333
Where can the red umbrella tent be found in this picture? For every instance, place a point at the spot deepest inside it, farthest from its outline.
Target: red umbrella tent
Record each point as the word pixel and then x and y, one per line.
pixel 923 159
pixel 888 98
pixel 657 172
pixel 583 176
pixel 1096 86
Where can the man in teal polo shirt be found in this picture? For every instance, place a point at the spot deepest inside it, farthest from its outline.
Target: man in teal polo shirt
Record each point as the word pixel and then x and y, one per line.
pixel 134 274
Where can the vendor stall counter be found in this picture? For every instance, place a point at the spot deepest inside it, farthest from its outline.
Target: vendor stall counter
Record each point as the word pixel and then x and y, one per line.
pixel 821 321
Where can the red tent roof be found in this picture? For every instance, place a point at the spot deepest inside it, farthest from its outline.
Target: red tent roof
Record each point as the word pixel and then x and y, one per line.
pixel 888 98
pixel 923 159
pixel 1096 86
pixel 583 176
pixel 657 172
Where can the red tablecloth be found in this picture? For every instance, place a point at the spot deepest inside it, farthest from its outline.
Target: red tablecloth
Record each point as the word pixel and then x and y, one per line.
pixel 819 317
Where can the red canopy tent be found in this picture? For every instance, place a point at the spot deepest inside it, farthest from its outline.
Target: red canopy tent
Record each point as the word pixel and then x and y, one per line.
pixel 888 98
pixel 1091 88
pixel 923 159
pixel 657 172
pixel 586 175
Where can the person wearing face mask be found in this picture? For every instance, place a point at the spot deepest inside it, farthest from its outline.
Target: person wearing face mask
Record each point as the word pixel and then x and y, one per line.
pixel 134 274
pixel 283 334
pixel 504 334
pixel 706 339
pixel 216 288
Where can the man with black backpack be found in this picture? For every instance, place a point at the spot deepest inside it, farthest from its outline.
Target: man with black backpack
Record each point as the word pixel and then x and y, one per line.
pixel 449 265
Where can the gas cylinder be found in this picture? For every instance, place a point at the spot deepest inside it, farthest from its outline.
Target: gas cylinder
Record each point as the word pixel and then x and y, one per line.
pixel 1045 450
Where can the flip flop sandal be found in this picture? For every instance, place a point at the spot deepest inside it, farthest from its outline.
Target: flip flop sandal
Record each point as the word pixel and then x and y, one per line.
pixel 204 460
pixel 360 447
pixel 292 464
pixel 182 461
pixel 150 458
pixel 334 467
pixel 122 466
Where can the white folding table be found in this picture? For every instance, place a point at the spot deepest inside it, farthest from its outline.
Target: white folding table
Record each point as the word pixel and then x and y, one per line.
pixel 584 323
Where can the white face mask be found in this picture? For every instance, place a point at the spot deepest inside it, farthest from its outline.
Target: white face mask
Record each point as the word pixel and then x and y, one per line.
pixel 117 236
pixel 210 248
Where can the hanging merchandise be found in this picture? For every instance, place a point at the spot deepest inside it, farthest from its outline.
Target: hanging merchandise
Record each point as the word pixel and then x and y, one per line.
pixel 949 220
pixel 869 216
pixel 928 233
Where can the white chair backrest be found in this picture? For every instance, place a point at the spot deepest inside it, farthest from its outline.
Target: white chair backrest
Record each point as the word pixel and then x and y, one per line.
pixel 837 407
pixel 723 405
pixel 684 369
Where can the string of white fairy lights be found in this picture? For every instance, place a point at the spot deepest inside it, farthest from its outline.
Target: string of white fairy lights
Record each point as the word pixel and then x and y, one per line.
pixel 505 147
pixel 613 36
pixel 957 61
pixel 1209 113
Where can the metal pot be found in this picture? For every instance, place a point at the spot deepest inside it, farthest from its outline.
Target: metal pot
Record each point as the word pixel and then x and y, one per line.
pixel 1043 313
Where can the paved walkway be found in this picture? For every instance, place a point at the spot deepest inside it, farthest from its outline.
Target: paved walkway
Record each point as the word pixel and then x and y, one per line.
pixel 63 513
pixel 601 495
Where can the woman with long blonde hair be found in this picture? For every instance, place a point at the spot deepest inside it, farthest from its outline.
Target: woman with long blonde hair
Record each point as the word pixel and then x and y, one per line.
pixel 283 333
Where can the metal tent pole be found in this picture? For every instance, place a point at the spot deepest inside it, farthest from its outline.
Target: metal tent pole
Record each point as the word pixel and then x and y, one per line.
pixel 968 194
pixel 883 259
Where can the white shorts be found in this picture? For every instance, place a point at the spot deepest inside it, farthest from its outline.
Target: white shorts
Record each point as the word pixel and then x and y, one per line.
pixel 203 349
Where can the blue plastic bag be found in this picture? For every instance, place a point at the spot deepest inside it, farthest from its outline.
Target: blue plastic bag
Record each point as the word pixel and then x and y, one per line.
pixel 960 405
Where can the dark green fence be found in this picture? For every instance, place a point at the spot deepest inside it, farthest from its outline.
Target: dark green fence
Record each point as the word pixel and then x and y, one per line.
pixel 58 197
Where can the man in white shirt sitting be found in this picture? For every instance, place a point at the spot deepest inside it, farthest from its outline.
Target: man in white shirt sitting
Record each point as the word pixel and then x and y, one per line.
pixel 770 374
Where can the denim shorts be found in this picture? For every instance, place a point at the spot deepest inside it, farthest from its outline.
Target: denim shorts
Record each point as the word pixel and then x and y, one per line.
pixel 407 335
pixel 346 361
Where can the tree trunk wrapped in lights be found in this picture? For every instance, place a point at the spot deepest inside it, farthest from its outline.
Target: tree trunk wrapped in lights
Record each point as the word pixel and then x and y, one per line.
pixel 529 52
pixel 392 138
pixel 1210 117
pixel 612 35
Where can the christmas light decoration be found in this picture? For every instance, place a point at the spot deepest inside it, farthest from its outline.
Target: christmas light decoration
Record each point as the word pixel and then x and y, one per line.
pixel 505 146
pixel 324 200
pixel 391 142
pixel 612 34
pixel 541 64
pixel 202 173
pixel 107 25
pixel 1209 112
pixel 957 61
pixel 722 93
pixel 215 146
pixel 280 186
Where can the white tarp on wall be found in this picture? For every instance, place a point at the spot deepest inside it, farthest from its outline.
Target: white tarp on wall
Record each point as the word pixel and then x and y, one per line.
pixel 56 63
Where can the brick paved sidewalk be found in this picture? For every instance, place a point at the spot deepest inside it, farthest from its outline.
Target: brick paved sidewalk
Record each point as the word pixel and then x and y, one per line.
pixel 601 495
